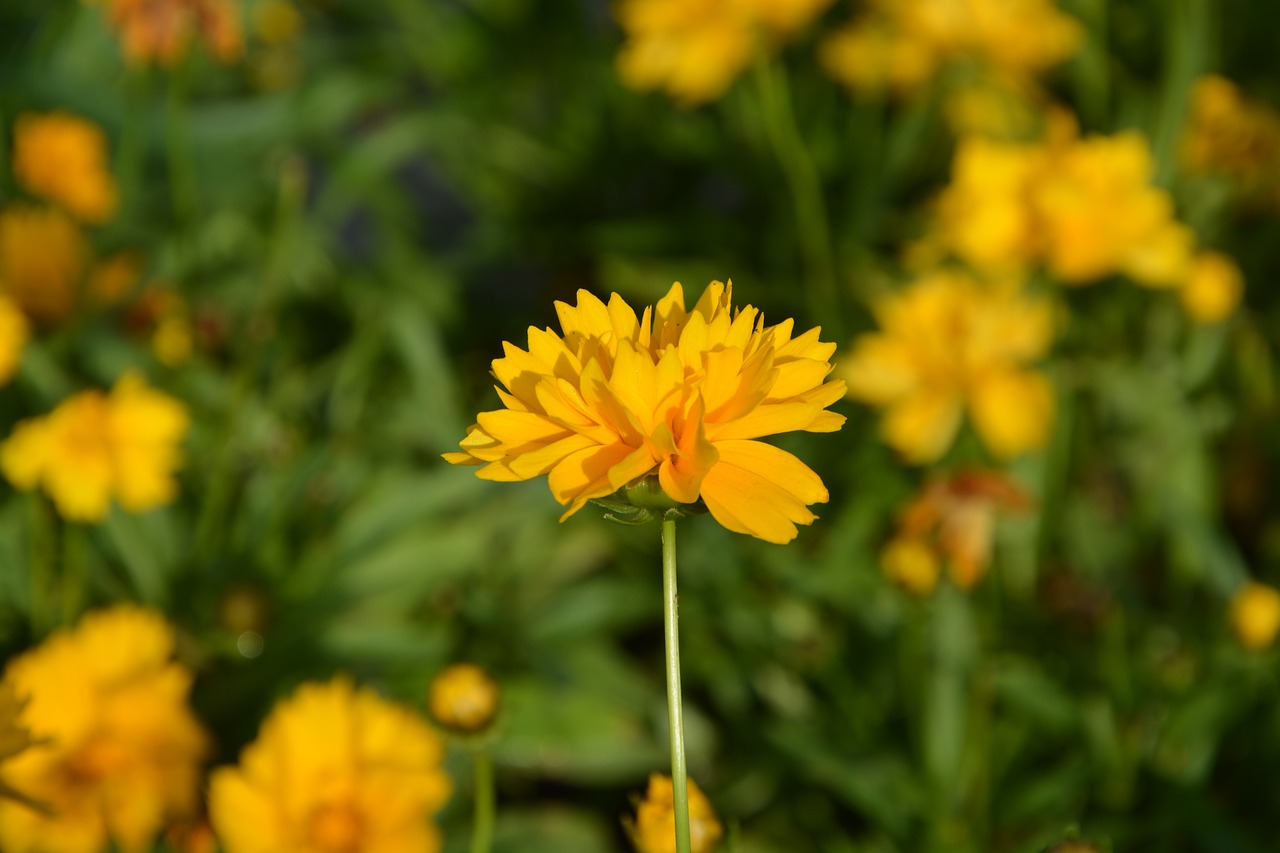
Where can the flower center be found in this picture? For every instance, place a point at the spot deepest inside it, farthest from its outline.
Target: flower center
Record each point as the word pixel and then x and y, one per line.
pixel 336 828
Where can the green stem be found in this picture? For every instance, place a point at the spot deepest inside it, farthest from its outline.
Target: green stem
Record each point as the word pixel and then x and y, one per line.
pixel 482 832
pixel 675 712
pixel 182 177
pixel 805 185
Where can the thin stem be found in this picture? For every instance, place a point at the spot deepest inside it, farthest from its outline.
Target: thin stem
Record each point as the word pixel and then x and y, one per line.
pixel 675 712
pixel 482 831
pixel 805 184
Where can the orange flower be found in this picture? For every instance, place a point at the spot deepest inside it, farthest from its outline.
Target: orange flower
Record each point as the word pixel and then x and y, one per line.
pixel 63 159
pixel 160 30
pixel 42 259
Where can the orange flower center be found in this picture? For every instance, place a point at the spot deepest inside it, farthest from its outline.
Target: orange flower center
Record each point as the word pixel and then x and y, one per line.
pixel 336 828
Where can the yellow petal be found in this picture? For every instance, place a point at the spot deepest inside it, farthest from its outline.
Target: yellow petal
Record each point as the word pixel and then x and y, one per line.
pixel 923 426
pixel 1013 411
pixel 761 490
pixel 880 370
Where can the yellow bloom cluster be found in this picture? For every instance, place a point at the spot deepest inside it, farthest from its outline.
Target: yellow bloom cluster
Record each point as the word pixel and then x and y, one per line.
pixel 1229 134
pixel 335 769
pixel 953 522
pixel 679 394
pixel 694 49
pixel 42 260
pixel 117 752
pixel 161 30
pixel 14 332
pixel 947 344
pixel 94 447
pixel 900 44
pixel 63 159
pixel 654 829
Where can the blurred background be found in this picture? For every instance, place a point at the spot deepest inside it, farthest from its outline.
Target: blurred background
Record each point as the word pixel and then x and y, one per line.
pixel 1039 605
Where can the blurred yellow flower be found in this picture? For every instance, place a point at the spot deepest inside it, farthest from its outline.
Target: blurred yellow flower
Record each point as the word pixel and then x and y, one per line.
pixel 1212 288
pixel 654 829
pixel 161 30
pixel 694 49
pixel 42 259
pixel 63 159
pixel 949 344
pixel 1255 615
pixel 111 278
pixel 1230 134
pixel 117 752
pixel 276 22
pixel 335 769
pixel 14 332
pixel 951 521
pixel 94 447
pixel 464 698
pixel 682 395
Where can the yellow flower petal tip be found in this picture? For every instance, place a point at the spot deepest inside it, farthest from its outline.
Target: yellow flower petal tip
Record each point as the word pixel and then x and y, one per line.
pixel 335 768
pixel 654 827
pixel 677 395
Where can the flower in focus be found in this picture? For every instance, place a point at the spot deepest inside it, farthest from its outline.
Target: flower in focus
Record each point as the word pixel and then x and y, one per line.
pixel 654 829
pixel 335 769
pixel 63 159
pixel 14 332
pixel 463 698
pixel 117 752
pixel 1255 615
pixel 949 344
pixel 161 30
pixel 94 447
pixel 953 522
pixel 1229 134
pixel 42 259
pixel 696 48
pixel 683 395
pixel 1212 288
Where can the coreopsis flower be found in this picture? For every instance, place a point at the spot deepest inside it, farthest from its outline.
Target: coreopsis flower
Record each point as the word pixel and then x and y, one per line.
pixel 335 769
pixel 654 827
pixel 694 49
pixel 463 698
pixel 42 260
pixel 14 333
pixel 161 30
pixel 15 738
pixel 1212 289
pixel 1255 615
pixel 951 522
pixel 95 447
pixel 948 345
pixel 116 752
pixel 677 397
pixel 63 159
pixel 1229 134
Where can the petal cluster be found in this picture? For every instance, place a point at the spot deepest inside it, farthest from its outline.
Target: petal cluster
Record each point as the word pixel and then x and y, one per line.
pixel 95 447
pixel 335 769
pixel 949 344
pixel 161 30
pixel 63 158
pixel 680 395
pixel 43 256
pixel 116 752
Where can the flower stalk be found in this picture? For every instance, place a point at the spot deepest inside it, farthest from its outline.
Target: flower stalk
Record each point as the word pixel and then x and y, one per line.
pixel 675 710
pixel 485 809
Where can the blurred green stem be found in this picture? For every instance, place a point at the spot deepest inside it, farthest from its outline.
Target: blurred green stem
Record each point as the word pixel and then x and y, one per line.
pixel 40 537
pixel 182 181
pixel 482 829
pixel 805 184
pixel 675 711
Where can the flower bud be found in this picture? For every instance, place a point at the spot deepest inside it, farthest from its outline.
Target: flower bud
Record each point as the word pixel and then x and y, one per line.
pixel 463 698
pixel 1255 615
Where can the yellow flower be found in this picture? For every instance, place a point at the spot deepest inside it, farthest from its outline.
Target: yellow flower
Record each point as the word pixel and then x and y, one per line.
pixel 1255 615
pixel 948 343
pixel 911 563
pixel 161 30
pixel 63 159
pixel 335 769
pixel 14 332
pixel 1232 135
pixel 276 22
pixel 112 278
pixel 117 751
pixel 654 829
pixel 683 395
pixel 95 446
pixel 695 49
pixel 1212 289
pixel 464 698
pixel 42 258
pixel 871 57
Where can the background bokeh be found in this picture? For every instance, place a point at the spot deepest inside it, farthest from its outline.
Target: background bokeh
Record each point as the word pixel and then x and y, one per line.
pixel 330 216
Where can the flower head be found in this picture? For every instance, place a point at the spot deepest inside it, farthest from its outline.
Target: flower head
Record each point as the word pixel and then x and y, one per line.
pixel 94 447
pixel 335 769
pixel 1255 615
pixel 42 259
pixel 63 159
pixel 1230 134
pixel 14 332
pixel 696 48
pixel 654 829
pixel 681 395
pixel 1212 289
pixel 161 30
pixel 463 698
pixel 949 344
pixel 117 751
